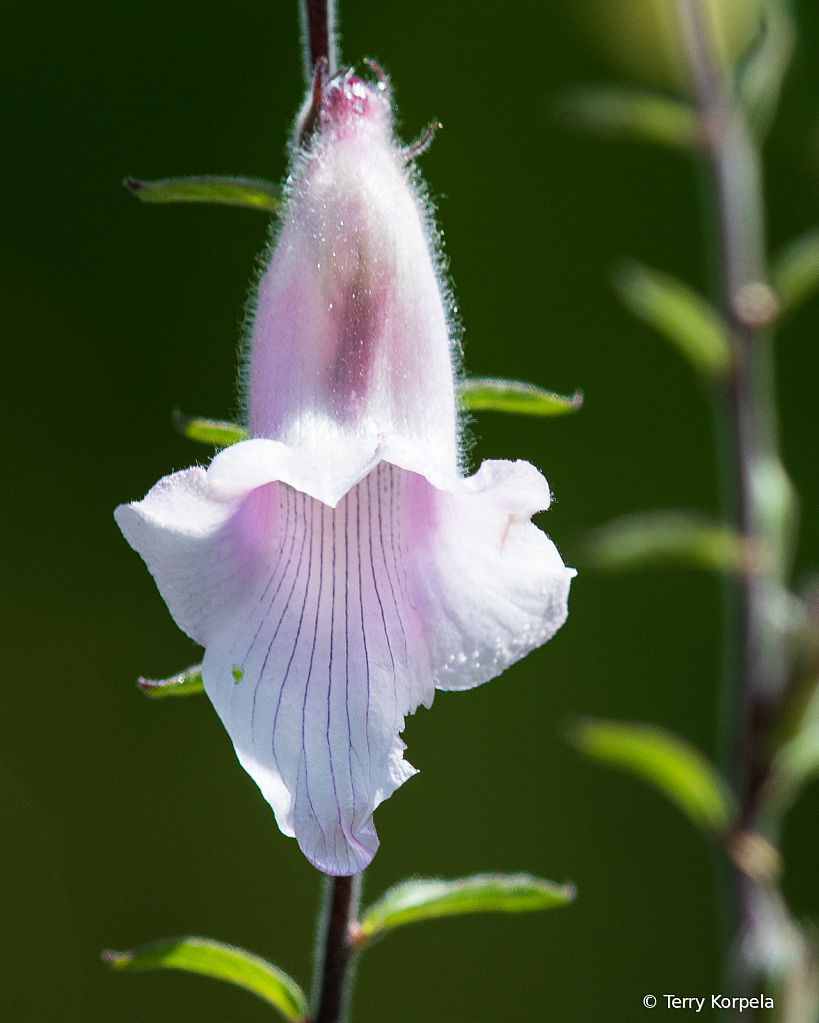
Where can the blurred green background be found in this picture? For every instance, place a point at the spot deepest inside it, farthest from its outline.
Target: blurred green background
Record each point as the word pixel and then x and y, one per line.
pixel 126 820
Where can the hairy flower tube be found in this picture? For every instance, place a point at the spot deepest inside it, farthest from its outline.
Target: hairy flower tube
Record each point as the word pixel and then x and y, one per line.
pixel 337 566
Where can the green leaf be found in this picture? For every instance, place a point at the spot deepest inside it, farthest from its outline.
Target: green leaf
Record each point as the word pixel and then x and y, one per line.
pixel 253 192
pixel 186 683
pixel 487 393
pixel 668 762
pixel 796 762
pixel 759 83
pixel 209 431
pixel 795 271
pixel 428 898
pixel 632 114
pixel 679 313
pixel 224 962
pixel 662 538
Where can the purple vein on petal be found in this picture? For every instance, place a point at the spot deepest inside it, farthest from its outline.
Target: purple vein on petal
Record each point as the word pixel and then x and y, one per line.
pixel 389 472
pixel 313 516
pixel 265 614
pixel 395 539
pixel 378 598
pixel 347 644
pixel 282 491
pixel 358 490
pixel 396 532
pixel 288 494
pixel 332 514
pixel 296 577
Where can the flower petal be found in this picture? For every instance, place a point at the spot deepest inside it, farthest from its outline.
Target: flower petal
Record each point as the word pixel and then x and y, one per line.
pixel 202 549
pixel 352 317
pixel 331 657
pixel 325 626
pixel 336 465
pixel 494 586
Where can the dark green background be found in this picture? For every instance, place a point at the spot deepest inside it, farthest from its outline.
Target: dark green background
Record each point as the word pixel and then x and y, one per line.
pixel 125 820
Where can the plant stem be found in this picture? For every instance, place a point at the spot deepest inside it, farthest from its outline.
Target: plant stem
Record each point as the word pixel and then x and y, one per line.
pixel 318 29
pixel 332 986
pixel 761 507
pixel 760 497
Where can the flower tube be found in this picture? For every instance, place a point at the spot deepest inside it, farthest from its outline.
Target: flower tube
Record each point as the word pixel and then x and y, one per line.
pixel 337 566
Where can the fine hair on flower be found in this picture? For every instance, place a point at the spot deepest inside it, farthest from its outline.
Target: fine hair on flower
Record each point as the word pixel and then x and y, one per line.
pixel 338 565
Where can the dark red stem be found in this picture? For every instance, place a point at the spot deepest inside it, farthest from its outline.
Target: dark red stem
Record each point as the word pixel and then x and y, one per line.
pixel 335 971
pixel 318 29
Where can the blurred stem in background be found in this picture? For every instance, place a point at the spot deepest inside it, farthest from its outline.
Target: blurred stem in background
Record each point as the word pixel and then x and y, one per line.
pixel 762 503
pixel 769 952
pixel 745 414
pixel 770 681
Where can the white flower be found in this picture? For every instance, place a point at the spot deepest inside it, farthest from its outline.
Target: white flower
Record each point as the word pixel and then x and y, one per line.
pixel 337 566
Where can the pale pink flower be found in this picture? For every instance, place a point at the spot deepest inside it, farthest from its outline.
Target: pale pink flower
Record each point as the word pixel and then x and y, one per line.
pixel 337 566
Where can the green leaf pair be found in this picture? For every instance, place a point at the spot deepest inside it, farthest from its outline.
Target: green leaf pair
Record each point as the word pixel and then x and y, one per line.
pixel 410 902
pixel 647 116
pixel 478 394
pixel 615 112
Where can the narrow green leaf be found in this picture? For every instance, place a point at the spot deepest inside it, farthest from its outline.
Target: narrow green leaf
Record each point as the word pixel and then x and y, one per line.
pixel 186 683
pixel 668 762
pixel 209 431
pixel 662 538
pixel 632 114
pixel 796 762
pixel 795 271
pixel 428 898
pixel 487 393
pixel 252 192
pixel 224 962
pixel 759 82
pixel 679 313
